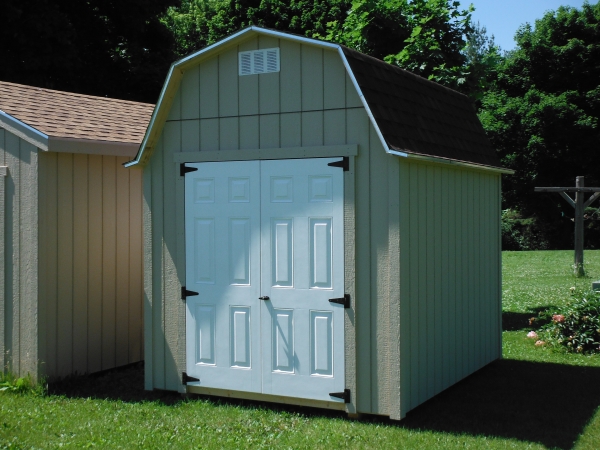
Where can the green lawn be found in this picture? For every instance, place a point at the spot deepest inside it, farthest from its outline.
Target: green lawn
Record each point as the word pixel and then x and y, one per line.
pixel 533 398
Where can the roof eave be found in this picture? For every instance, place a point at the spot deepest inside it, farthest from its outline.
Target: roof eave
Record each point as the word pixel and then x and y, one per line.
pixel 91 146
pixel 24 131
pixel 452 162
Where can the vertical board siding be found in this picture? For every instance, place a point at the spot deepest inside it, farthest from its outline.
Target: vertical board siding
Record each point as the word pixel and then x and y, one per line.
pixel 228 89
pixel 109 245
pixel 90 281
pixel 50 290
pixel 64 242
pixel 80 263
pixel 190 104
pixel 94 272
pixel 190 135
pixel 449 246
pixel 312 78
pixel 290 76
pixel 302 105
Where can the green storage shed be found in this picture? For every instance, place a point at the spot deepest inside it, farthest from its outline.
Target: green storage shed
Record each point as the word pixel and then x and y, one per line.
pixel 320 228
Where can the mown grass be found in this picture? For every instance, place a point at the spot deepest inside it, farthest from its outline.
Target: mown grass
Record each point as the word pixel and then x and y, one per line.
pixel 533 398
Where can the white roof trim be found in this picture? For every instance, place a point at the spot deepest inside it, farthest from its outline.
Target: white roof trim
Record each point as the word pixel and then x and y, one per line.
pixel 24 131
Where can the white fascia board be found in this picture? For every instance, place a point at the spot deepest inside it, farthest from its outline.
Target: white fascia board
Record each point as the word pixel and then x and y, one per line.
pixel 24 131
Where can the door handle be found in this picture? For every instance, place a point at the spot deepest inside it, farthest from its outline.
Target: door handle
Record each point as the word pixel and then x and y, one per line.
pixel 264 297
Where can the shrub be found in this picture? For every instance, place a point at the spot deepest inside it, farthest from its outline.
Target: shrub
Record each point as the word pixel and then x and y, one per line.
pixel 575 326
pixel 520 233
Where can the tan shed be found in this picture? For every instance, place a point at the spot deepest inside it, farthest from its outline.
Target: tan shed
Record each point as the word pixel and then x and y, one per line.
pixel 320 228
pixel 70 232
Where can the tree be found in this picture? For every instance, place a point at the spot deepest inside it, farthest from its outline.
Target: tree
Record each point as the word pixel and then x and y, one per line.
pixel 198 23
pixel 542 115
pixel 100 47
pixel 427 37
pixel 482 58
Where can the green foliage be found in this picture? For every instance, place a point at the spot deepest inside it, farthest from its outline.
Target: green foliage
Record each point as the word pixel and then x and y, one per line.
pixel 427 37
pixel 542 115
pixel 575 326
pixel 482 58
pixel 433 38
pixel 197 23
pixel 520 233
pixel 26 384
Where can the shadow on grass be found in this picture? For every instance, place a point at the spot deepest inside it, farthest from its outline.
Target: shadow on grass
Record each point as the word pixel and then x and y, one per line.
pixel 513 321
pixel 124 383
pixel 549 404
pixel 535 402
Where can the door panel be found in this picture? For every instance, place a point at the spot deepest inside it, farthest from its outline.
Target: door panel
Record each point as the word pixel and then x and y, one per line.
pixel 270 229
pixel 302 268
pixel 223 265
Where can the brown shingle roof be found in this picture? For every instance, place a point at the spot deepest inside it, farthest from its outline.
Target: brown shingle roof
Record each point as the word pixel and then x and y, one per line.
pixel 418 116
pixel 67 115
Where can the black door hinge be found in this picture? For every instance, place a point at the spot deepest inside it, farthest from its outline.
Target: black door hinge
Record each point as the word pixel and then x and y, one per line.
pixel 345 300
pixel 185 378
pixel 343 395
pixel 185 293
pixel 344 163
pixel 183 169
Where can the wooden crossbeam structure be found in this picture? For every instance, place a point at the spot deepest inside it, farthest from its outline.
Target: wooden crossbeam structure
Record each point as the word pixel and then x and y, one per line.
pixel 579 203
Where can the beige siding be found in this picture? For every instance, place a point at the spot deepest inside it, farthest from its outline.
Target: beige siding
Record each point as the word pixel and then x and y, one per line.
pixel 450 317
pixel 90 267
pixel 19 249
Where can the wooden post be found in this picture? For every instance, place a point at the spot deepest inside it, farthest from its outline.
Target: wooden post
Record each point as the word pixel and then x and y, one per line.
pixel 579 204
pixel 578 265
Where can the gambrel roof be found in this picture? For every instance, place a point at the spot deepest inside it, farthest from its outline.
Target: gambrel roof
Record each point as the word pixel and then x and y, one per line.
pixel 59 121
pixel 413 117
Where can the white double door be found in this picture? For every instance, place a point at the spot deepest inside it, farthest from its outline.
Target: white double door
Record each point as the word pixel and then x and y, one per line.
pixel 264 251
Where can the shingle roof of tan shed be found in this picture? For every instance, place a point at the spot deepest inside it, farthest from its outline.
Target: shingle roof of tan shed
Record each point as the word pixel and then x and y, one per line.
pixel 418 116
pixel 68 115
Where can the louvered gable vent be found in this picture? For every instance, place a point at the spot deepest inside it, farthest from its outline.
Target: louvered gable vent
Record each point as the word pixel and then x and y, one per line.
pixel 259 61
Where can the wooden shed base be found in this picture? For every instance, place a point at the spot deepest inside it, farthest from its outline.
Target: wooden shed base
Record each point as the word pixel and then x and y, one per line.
pixel 265 397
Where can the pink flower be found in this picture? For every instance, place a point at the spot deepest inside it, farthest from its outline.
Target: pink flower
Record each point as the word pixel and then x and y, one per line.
pixel 532 335
pixel 558 318
pixel 539 343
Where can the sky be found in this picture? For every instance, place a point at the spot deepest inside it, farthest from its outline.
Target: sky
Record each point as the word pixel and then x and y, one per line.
pixel 502 17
